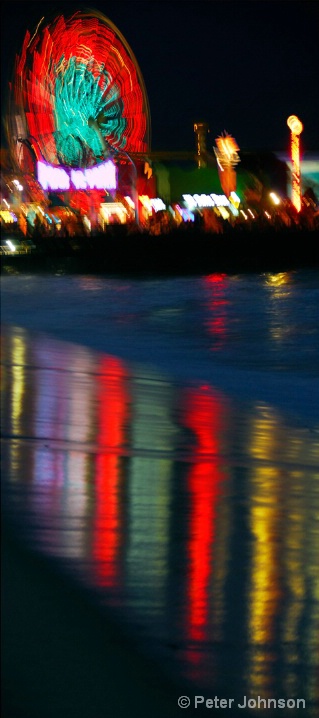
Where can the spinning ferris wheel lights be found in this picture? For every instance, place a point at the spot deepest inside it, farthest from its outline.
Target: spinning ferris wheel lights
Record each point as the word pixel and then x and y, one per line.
pixel 78 92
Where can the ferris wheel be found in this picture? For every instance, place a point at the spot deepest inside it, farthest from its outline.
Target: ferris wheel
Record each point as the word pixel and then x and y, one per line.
pixel 77 95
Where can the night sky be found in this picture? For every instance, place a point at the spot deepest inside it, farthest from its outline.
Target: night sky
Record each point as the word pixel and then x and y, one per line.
pixel 243 67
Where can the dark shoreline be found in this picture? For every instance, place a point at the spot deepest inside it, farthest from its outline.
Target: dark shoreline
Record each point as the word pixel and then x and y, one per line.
pixel 180 253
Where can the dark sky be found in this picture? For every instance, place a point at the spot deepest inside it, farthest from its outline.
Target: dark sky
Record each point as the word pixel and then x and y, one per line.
pixel 240 66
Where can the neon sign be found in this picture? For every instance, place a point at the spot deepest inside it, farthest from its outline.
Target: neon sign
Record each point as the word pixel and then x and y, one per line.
pixel 186 215
pixel 101 176
pixel 157 203
pixel 206 200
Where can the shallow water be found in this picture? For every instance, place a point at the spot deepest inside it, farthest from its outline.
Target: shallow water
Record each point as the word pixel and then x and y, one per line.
pixel 174 469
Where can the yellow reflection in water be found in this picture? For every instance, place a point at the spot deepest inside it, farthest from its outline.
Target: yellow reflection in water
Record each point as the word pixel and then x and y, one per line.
pixel 279 328
pixel 265 519
pixel 283 591
pixel 265 523
pixel 18 352
pixel 278 279
pixel 266 434
pixel 301 551
pixel 294 555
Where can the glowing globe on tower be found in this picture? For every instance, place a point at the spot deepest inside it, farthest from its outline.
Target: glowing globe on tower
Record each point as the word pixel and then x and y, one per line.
pixel 295 125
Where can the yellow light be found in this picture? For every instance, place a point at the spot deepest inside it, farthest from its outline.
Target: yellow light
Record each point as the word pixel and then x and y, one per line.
pixel 6 216
pixel 223 212
pixel 279 278
pixel 295 125
pixel 274 198
pixel 145 201
pixel 129 201
pixel 226 151
pixel 18 381
pixel 10 245
pixel 296 128
pixel 17 184
pixel 234 199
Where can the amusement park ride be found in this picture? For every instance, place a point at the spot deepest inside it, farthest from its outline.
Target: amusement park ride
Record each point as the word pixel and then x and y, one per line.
pixel 79 123
pixel 79 106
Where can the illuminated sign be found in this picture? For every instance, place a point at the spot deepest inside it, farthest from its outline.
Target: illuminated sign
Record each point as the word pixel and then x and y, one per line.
pixel 206 200
pixel 235 200
pixel 101 176
pixel 113 208
pixel 157 203
pixel 186 215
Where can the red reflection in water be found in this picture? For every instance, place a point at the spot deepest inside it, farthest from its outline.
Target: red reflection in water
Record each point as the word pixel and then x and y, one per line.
pixel 112 416
pixel 203 415
pixel 217 303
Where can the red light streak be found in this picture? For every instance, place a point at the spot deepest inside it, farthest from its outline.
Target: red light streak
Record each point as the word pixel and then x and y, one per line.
pixel 203 413
pixel 113 411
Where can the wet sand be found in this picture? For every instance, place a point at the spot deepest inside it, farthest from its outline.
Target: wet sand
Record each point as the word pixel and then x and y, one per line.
pixel 62 656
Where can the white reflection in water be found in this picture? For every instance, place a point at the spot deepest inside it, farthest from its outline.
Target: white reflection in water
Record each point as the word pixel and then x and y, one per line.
pixel 149 486
pixel 148 534
pixel 59 498
pixel 64 396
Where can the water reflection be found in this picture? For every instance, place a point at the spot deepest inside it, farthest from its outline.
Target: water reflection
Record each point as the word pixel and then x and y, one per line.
pixel 266 520
pixel 218 307
pixel 204 412
pixel 283 511
pixel 196 517
pixel 113 409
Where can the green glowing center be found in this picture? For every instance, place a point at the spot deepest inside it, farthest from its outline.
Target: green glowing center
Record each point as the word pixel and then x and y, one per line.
pixel 86 107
